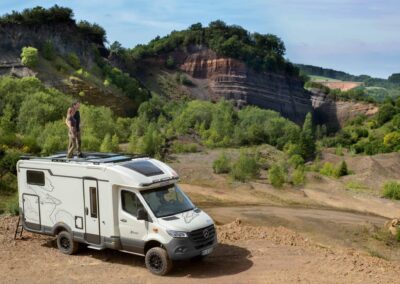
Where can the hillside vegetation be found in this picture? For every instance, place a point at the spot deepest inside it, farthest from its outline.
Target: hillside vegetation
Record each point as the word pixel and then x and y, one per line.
pixel 261 52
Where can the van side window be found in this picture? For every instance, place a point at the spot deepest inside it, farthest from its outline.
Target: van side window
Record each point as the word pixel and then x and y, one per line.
pixel 130 202
pixel 35 177
pixel 93 202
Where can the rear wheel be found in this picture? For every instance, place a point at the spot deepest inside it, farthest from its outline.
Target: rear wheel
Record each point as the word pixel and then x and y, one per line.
pixel 157 261
pixel 66 244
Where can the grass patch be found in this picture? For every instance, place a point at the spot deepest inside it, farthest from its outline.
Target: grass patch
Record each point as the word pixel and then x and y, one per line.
pixel 391 190
pixel 356 187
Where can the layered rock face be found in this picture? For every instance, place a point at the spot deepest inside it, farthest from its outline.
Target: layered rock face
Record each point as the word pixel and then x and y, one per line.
pixel 334 114
pixel 233 80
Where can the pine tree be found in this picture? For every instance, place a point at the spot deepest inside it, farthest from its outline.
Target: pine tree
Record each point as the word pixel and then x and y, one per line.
pixel 342 170
pixel 307 139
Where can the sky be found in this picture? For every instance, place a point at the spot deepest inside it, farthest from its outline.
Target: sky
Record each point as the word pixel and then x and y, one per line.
pixel 355 36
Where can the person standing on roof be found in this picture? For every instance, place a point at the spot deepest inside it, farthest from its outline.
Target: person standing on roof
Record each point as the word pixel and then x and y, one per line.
pixel 72 133
pixel 77 116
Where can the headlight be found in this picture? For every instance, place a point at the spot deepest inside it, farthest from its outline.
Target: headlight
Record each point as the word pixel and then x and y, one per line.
pixel 177 234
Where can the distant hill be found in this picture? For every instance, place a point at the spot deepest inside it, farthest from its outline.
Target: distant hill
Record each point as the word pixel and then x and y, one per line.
pixel 375 89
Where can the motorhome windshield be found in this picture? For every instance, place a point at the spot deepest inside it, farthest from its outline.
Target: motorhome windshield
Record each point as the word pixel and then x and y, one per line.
pixel 167 200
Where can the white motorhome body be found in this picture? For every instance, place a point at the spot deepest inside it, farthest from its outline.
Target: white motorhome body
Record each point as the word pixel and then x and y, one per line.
pixel 112 201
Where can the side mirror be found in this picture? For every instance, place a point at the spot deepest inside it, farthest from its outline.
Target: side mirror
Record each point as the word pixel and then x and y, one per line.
pixel 142 214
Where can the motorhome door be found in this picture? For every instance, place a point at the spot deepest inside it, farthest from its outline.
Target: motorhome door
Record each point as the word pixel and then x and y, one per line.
pixel 91 194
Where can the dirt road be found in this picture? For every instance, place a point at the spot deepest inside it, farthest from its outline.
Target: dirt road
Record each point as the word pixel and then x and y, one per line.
pixel 246 254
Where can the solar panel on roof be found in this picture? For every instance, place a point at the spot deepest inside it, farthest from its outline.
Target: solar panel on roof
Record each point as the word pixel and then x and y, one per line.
pixel 146 168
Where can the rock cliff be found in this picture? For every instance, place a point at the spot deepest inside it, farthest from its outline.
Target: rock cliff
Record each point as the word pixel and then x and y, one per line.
pixel 335 113
pixel 217 77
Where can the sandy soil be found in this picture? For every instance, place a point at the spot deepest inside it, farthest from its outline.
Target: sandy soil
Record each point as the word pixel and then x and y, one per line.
pixel 246 254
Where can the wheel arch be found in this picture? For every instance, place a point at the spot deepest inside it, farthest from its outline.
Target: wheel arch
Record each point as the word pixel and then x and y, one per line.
pixel 59 227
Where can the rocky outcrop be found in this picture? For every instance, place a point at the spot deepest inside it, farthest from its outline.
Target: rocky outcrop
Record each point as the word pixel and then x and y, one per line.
pixel 65 38
pixel 233 80
pixel 334 113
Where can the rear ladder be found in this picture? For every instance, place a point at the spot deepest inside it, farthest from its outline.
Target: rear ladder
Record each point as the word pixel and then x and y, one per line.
pixel 19 229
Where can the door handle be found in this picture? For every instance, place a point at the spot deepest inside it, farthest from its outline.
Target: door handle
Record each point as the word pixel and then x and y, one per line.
pixel 123 220
pixel 86 211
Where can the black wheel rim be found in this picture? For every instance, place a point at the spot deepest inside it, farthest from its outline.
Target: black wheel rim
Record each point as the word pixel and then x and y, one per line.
pixel 65 243
pixel 156 263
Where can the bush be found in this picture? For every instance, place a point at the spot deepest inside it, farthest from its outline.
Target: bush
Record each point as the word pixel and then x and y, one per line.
pixel 222 164
pixel 341 170
pixel 298 176
pixel 296 161
pixel 48 51
pixel 73 60
pixel 327 169
pixel 385 113
pixel 276 176
pixel 29 56
pixel 178 147
pixel 391 190
pixel 245 168
pixel 170 62
pixel 12 206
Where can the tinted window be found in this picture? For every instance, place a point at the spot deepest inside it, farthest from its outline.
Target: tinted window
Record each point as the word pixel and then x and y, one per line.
pixel 93 202
pixel 145 168
pixel 35 177
pixel 130 202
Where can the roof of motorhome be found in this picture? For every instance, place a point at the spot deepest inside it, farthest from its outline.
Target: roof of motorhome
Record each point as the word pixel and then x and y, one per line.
pixel 95 158
pixel 148 171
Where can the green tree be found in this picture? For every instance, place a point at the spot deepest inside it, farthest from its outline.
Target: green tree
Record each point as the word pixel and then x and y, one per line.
pixel 276 176
pixel 307 139
pixel 29 56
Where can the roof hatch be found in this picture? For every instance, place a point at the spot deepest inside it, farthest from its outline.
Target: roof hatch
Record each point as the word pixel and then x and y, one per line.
pixel 145 168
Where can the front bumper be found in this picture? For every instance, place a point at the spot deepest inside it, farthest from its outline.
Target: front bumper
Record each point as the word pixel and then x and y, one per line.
pixel 185 248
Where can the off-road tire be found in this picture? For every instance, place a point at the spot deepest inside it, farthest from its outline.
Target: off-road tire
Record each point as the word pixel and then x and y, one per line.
pixel 157 261
pixel 199 258
pixel 66 244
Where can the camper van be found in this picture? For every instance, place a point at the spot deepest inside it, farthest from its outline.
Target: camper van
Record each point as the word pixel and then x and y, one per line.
pixel 113 201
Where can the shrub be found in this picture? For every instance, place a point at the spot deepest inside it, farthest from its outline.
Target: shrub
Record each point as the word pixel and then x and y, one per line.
pixel 296 161
pixel 178 147
pixel 29 56
pixel 339 150
pixel 327 169
pixel 245 168
pixel 12 206
pixel 222 164
pixel 276 176
pixel 48 50
pixel 341 170
pixel 385 113
pixel 73 60
pixel 391 189
pixel 170 62
pixel 298 176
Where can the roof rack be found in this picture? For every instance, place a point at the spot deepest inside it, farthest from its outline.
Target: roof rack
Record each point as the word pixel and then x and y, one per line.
pixel 92 157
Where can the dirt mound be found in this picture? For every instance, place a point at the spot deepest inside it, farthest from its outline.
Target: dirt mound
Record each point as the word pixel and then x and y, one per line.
pixel 236 231
pixel 371 171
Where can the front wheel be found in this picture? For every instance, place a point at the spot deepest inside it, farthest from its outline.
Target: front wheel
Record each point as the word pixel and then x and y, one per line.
pixel 157 261
pixel 66 244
